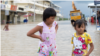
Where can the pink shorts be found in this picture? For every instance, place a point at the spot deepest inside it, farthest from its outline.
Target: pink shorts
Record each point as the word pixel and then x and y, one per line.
pixel 6 30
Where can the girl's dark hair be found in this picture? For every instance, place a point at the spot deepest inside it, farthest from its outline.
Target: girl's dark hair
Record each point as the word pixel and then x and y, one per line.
pixel 72 21
pixel 7 22
pixel 99 12
pixel 80 22
pixel 48 12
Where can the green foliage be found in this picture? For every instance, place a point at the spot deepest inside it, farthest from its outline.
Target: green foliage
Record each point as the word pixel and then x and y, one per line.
pixel 63 19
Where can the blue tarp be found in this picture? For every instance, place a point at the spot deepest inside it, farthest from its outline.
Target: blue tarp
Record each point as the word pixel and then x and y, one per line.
pixel 25 20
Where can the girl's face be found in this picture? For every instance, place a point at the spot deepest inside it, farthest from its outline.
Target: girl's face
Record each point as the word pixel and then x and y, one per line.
pixel 80 29
pixel 51 19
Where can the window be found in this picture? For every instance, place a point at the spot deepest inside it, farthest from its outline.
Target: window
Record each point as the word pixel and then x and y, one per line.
pixel 21 9
pixel 26 6
pixel 75 14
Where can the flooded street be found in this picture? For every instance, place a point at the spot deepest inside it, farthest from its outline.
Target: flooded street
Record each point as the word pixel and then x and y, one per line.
pixel 16 42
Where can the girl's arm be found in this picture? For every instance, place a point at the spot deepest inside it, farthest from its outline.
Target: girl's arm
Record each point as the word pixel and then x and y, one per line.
pixel 90 50
pixel 56 28
pixel 34 30
pixel 3 28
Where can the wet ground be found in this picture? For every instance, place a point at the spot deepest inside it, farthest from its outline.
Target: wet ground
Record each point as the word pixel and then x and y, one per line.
pixel 16 43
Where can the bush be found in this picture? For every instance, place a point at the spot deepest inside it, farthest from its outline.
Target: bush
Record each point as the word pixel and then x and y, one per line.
pixel 63 19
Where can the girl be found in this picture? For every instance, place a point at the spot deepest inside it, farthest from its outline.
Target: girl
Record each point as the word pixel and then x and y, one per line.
pixel 81 39
pixel 47 30
pixel 6 27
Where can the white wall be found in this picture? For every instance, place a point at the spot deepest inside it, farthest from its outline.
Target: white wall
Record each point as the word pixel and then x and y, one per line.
pixel 21 5
pixel 40 2
pixel 30 18
pixel 39 8
pixel 38 18
pixel 22 18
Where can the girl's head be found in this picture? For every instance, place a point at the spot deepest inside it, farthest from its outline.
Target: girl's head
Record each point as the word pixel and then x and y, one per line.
pixel 80 26
pixel 49 15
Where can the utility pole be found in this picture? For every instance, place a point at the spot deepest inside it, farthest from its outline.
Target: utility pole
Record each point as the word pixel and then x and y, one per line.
pixel 34 11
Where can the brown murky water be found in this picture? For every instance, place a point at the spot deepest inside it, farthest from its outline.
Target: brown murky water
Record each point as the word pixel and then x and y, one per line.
pixel 16 43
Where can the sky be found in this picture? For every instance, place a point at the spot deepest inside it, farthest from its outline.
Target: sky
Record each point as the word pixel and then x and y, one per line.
pixel 66 7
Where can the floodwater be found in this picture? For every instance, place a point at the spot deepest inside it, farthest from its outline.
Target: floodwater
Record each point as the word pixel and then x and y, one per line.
pixel 15 42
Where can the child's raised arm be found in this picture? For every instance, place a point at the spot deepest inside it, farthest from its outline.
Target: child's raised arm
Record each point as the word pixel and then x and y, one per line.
pixel 34 30
pixel 4 28
pixel 90 50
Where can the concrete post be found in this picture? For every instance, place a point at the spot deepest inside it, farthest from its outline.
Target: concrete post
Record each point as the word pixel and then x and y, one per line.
pixel 15 19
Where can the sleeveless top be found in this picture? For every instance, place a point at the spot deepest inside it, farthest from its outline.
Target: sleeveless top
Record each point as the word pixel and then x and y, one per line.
pixel 48 47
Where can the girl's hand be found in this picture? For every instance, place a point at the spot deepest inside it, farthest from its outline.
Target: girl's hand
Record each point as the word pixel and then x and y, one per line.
pixel 41 39
pixel 56 28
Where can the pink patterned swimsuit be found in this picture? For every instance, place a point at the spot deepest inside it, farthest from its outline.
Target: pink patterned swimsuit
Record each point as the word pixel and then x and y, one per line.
pixel 48 47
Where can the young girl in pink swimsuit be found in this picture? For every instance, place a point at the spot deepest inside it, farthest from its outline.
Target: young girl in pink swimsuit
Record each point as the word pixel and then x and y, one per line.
pixel 47 30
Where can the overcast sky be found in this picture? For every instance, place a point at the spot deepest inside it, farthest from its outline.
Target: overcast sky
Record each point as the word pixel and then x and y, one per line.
pixel 66 7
